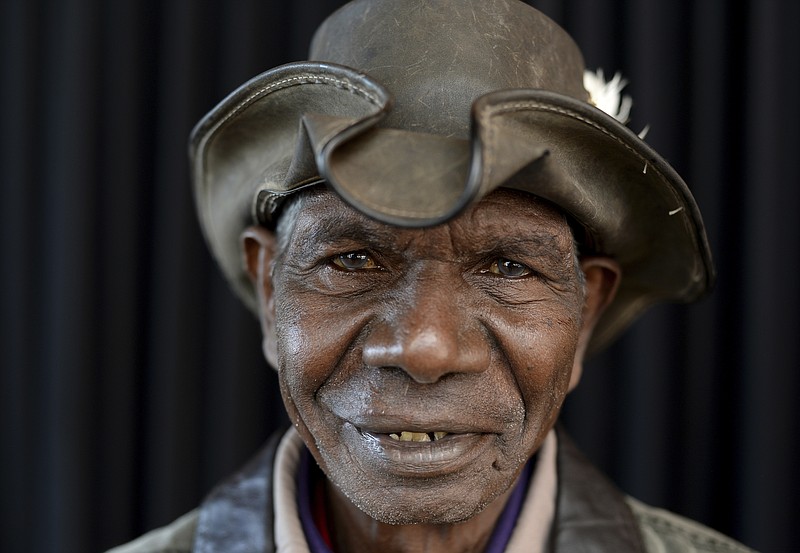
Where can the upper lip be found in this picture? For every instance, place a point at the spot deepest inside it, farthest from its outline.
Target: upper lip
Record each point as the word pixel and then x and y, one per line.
pixel 385 408
pixel 387 424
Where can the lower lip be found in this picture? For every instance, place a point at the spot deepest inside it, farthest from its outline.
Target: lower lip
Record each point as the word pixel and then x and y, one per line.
pixel 450 454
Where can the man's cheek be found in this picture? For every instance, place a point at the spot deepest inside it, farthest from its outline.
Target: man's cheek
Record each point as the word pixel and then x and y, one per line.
pixel 300 327
pixel 290 342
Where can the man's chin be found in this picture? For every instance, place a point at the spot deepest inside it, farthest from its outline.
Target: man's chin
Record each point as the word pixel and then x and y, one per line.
pixel 407 511
pixel 444 501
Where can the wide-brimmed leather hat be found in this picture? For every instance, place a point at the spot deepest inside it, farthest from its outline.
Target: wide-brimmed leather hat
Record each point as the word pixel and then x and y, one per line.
pixel 412 110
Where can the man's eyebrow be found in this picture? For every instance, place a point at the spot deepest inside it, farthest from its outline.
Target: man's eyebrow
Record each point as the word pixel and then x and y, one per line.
pixel 534 239
pixel 341 227
pixel 545 242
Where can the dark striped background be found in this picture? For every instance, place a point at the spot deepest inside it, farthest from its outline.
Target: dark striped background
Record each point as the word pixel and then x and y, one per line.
pixel 131 378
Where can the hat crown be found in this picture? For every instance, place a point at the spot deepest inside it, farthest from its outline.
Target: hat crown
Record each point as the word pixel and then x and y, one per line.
pixel 438 56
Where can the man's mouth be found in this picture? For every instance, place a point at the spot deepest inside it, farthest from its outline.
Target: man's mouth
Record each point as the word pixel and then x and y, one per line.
pixel 415 453
pixel 406 436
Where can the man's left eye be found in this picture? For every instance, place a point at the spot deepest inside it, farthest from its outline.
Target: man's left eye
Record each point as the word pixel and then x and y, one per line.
pixel 509 268
pixel 355 261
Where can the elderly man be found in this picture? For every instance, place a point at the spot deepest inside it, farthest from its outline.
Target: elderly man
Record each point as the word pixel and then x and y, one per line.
pixel 436 225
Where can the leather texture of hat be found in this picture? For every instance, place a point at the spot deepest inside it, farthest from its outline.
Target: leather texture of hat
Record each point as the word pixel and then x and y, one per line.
pixel 412 110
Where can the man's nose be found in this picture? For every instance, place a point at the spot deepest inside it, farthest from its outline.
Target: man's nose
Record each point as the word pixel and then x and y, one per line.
pixel 429 336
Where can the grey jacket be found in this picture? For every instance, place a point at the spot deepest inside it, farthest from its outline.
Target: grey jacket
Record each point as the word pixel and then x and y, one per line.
pixel 592 515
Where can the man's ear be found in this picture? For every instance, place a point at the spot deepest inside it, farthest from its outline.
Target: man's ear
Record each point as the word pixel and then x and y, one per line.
pixel 258 253
pixel 602 279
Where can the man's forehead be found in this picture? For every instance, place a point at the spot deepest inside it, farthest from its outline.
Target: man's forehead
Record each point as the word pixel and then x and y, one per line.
pixel 504 214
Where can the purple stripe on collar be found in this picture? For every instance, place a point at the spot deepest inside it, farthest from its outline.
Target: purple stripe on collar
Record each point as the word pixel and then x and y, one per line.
pixel 504 528
pixel 315 542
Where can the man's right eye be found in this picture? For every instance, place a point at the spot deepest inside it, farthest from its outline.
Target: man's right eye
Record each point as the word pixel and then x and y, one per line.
pixel 355 261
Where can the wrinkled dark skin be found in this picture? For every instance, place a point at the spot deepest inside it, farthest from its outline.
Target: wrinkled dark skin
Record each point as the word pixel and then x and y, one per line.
pixel 376 329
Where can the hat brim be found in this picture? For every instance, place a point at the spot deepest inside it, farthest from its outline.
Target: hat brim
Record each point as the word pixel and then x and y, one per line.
pixel 309 122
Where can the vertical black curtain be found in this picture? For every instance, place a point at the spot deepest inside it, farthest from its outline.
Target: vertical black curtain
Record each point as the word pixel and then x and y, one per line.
pixel 132 380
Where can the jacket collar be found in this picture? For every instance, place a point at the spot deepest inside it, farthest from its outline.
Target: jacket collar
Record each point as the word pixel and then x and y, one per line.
pixel 590 509
pixel 237 515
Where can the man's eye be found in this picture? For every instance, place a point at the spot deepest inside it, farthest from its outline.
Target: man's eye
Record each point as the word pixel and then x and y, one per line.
pixel 508 268
pixel 355 261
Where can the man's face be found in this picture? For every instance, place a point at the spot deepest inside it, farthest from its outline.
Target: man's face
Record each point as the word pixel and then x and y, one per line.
pixel 461 338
